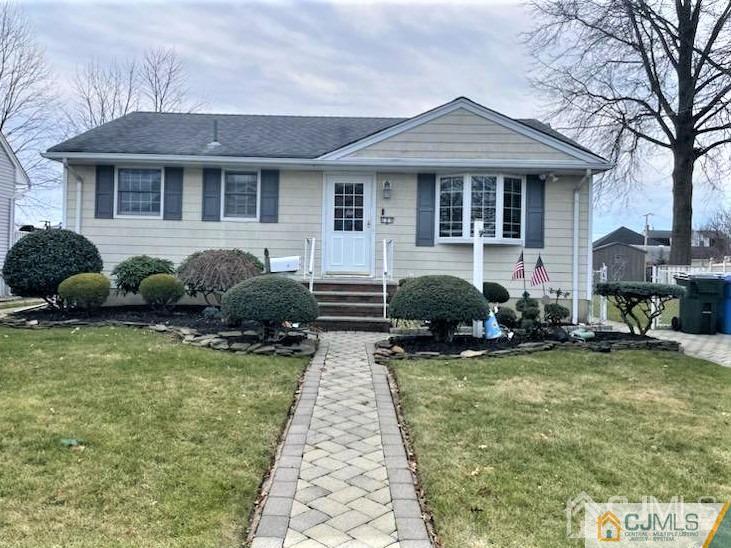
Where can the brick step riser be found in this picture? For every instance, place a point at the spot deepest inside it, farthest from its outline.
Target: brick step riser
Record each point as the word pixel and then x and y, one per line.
pixel 361 288
pixel 362 312
pixel 370 299
pixel 330 325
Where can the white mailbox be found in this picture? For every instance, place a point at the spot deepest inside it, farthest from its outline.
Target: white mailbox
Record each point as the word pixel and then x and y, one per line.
pixel 285 264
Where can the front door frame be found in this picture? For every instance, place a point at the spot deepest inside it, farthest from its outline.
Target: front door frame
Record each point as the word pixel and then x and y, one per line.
pixel 364 177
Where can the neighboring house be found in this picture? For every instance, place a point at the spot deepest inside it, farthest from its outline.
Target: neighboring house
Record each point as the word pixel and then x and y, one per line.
pixel 170 184
pixel 13 182
pixel 624 262
pixel 623 235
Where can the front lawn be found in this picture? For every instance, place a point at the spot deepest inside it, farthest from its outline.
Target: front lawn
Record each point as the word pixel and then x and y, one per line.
pixel 502 444
pixel 175 440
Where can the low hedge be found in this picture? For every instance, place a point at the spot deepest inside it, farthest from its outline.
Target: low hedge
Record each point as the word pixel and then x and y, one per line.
pixel 86 291
pixel 639 303
pixel 128 274
pixel 270 300
pixel 443 301
pixel 161 290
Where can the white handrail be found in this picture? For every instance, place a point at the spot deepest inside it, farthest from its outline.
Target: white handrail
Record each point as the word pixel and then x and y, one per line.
pixel 310 247
pixel 387 272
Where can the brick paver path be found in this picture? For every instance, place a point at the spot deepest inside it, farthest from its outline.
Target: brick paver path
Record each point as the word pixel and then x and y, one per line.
pixel 342 478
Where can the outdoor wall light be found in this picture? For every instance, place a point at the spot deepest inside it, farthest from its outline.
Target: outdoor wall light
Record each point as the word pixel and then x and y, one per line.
pixel 386 190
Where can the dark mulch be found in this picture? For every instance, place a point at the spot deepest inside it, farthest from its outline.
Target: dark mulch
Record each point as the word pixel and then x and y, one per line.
pixel 181 316
pixel 425 343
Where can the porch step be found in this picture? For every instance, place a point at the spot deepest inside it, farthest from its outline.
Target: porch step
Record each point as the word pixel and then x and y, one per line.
pixel 352 304
pixel 353 323
pixel 351 309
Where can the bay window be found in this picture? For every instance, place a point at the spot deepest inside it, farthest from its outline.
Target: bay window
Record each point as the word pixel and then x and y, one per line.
pixel 496 199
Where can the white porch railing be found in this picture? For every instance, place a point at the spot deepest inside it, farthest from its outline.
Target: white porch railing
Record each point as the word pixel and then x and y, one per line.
pixel 601 276
pixel 309 265
pixel 665 274
pixel 387 271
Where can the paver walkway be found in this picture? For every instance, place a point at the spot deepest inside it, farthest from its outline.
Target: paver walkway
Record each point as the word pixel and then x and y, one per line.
pixel 714 348
pixel 342 478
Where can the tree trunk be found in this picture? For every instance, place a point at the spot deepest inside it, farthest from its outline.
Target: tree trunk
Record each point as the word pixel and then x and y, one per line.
pixel 683 161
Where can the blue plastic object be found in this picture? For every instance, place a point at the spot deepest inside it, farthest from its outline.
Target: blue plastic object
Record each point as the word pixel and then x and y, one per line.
pixel 725 323
pixel 492 329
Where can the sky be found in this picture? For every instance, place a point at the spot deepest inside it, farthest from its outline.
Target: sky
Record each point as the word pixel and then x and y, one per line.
pixel 336 58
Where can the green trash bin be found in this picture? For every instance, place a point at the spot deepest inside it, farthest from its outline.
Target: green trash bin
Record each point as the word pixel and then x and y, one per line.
pixel 700 307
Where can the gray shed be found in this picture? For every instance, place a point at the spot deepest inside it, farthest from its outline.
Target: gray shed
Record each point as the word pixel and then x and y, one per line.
pixel 624 262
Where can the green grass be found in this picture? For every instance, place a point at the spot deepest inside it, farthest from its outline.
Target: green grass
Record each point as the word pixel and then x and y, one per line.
pixel 672 308
pixel 177 439
pixel 502 444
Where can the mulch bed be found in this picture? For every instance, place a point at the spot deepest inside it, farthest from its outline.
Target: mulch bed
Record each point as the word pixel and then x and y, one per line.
pixel 181 316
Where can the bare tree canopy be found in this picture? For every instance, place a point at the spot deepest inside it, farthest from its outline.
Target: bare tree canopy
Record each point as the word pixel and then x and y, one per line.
pixel 103 92
pixel 26 98
pixel 634 77
pixel 718 230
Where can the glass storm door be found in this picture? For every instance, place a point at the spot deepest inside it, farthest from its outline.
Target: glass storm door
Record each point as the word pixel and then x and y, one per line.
pixel 349 225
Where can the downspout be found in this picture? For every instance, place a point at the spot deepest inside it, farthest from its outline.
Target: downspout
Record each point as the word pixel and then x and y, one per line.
pixel 590 250
pixel 79 195
pixel 575 251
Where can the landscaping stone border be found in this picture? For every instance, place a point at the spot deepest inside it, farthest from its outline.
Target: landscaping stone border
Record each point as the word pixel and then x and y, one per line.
pixel 236 341
pixel 389 349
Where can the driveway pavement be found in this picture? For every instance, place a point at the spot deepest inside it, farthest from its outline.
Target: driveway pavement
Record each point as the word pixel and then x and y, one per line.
pixel 342 478
pixel 714 348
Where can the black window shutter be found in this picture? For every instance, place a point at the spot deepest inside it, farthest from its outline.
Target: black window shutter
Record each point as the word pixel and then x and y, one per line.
pixel 425 208
pixel 211 194
pixel 269 196
pixel 104 192
pixel 535 203
pixel 173 202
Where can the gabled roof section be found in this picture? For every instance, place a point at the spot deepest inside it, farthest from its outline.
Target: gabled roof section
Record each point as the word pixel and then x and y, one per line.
pixel 530 128
pixel 622 235
pixel 22 181
pixel 238 135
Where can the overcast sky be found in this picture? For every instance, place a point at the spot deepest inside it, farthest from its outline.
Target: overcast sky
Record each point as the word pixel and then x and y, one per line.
pixel 337 58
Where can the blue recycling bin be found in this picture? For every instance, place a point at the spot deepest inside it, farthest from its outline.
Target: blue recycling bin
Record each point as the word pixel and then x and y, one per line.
pixel 725 323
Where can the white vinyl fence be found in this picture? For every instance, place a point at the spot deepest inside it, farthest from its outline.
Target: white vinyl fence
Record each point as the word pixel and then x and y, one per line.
pixel 599 315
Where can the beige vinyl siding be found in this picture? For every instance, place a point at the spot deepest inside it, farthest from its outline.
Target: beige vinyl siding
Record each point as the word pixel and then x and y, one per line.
pixel 7 191
pixel 300 196
pixel 300 216
pixel 456 259
pixel 461 134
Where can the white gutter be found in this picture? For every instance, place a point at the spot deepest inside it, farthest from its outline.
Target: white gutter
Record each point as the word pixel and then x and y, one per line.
pixel 575 250
pixel 304 163
pixel 589 248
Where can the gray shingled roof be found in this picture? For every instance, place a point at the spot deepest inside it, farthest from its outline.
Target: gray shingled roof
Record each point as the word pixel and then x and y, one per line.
pixel 241 135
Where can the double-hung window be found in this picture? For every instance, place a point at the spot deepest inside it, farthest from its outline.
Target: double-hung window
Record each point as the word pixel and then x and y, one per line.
pixel 494 198
pixel 240 195
pixel 139 192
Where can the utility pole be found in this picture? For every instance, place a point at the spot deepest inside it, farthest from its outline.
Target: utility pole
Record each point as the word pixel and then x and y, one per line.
pixel 647 226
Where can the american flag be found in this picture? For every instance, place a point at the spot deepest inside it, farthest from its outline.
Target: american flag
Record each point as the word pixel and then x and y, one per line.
pixel 540 274
pixel 519 268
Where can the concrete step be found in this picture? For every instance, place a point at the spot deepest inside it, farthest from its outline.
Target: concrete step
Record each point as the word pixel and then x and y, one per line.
pixel 353 323
pixel 348 296
pixel 359 309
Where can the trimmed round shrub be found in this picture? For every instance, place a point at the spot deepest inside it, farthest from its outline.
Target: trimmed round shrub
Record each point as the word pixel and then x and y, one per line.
pixel 530 311
pixel 443 301
pixel 128 274
pixel 495 293
pixel 506 316
pixel 270 300
pixel 555 313
pixel 161 290
pixel 41 260
pixel 213 272
pixel 86 291
pixel 634 300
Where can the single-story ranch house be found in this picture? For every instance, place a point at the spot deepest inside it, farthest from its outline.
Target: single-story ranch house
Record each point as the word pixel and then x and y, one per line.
pixel 168 184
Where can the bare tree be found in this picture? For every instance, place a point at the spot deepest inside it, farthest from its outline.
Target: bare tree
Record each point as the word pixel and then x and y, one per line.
pixel 163 81
pixel 102 93
pixel 637 77
pixel 718 230
pixel 26 98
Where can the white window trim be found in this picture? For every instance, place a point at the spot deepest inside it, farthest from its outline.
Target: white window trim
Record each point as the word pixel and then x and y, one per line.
pixel 254 219
pixel 467 208
pixel 118 215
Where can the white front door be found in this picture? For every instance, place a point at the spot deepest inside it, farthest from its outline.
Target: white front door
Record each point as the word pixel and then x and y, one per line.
pixel 348 230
